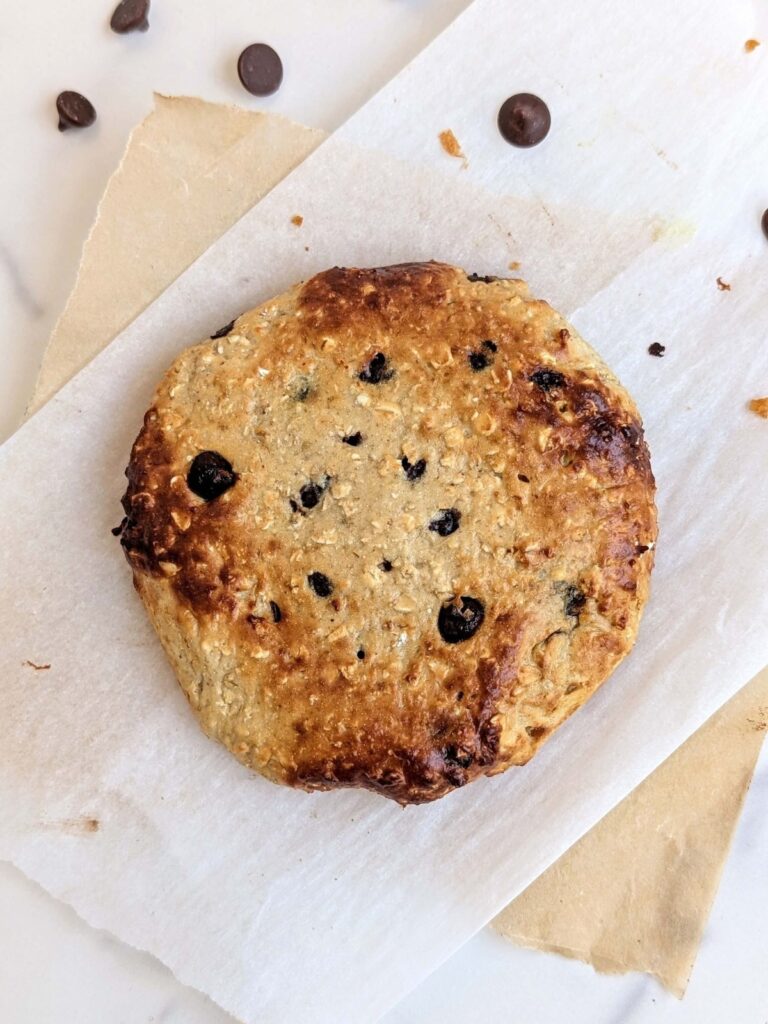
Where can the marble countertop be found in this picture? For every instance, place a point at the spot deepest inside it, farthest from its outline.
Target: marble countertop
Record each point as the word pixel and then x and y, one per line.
pixel 53 967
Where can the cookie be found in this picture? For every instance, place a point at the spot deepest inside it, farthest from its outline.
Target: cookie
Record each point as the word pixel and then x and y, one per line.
pixel 392 527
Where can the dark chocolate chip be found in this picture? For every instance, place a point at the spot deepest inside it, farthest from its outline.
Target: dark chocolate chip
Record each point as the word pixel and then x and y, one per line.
pixel 656 349
pixel 574 600
pixel 361 654
pixel 223 331
pixel 446 522
pixel 460 695
pixel 377 370
pixel 353 439
pixel 74 110
pixel 478 361
pixel 260 69
pixel 764 223
pixel 486 278
pixel 117 530
pixel 310 494
pixel 413 470
pixel 460 758
pixel 320 583
pixel 210 475
pixel 524 120
pixel 457 623
pixel 294 505
pixel 276 613
pixel 386 565
pixel 547 379
pixel 490 346
pixel 642 548
pixel 130 16
pixel 524 478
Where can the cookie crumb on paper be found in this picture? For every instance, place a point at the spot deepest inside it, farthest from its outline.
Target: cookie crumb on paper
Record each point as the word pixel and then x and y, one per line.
pixel 297 219
pixel 723 285
pixel 451 145
pixel 760 406
pixel 751 44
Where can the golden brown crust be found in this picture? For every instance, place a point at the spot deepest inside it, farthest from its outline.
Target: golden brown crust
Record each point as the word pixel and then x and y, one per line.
pixel 535 499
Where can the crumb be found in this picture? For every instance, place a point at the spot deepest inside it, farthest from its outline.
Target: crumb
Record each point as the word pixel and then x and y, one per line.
pixel 514 265
pixel 760 724
pixel 35 666
pixel 297 219
pixel 751 44
pixel 760 406
pixel 75 826
pixel 723 285
pixel 656 349
pixel 451 145
pixel 306 248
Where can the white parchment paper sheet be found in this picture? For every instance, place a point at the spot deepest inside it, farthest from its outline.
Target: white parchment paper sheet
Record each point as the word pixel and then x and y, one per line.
pixel 285 907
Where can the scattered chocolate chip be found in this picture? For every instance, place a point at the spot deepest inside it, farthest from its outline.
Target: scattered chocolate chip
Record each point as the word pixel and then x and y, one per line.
pixel 574 600
pixel 361 654
pixel 523 478
pixel 458 623
pixel 413 470
pixel 260 69
pixel 460 695
pixel 130 16
pixel 320 583
pixel 210 475
pixel 311 494
pixel 377 370
pixel 353 439
pixel 117 530
pixel 641 549
pixel 223 331
pixel 74 110
pixel 656 349
pixel 452 755
pixel 764 223
pixel 524 120
pixel 478 361
pixel 386 565
pixel 294 505
pixel 490 346
pixel 446 522
pixel 547 379
pixel 486 278
pixel 276 613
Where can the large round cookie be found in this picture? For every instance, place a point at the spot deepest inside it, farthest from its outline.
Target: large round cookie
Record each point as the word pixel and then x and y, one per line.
pixel 392 527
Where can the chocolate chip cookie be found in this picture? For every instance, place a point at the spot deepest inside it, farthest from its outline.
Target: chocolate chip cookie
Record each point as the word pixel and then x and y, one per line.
pixel 392 527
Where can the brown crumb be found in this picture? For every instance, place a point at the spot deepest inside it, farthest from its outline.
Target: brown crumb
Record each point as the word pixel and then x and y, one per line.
pixel 760 724
pixel 75 826
pixel 656 349
pixel 451 144
pixel 35 666
pixel 723 285
pixel 751 44
pixel 514 265
pixel 760 406
pixel 306 248
pixel 297 219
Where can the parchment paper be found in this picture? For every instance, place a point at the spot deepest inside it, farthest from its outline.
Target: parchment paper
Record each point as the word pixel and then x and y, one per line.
pixel 662 849
pixel 276 904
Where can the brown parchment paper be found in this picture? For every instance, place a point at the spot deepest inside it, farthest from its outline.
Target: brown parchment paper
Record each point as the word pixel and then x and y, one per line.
pixel 634 893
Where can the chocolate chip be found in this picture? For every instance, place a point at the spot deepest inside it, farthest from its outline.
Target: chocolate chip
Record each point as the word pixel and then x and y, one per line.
pixel 130 16
pixel 460 758
pixel 458 623
pixel 524 120
pixel 223 331
pixel 486 279
pixel 386 565
pixel 478 361
pixel 656 349
pixel 353 439
pixel 210 475
pixel 490 346
pixel 117 530
pixel 260 69
pixel 75 111
pixel 523 478
pixel 320 583
pixel 764 223
pixel 446 522
pixel 547 379
pixel 361 654
pixel 641 549
pixel 276 613
pixel 574 600
pixel 377 370
pixel 460 695
pixel 310 494
pixel 413 470
pixel 294 505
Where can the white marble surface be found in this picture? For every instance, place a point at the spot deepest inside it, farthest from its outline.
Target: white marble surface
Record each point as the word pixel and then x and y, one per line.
pixel 52 966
